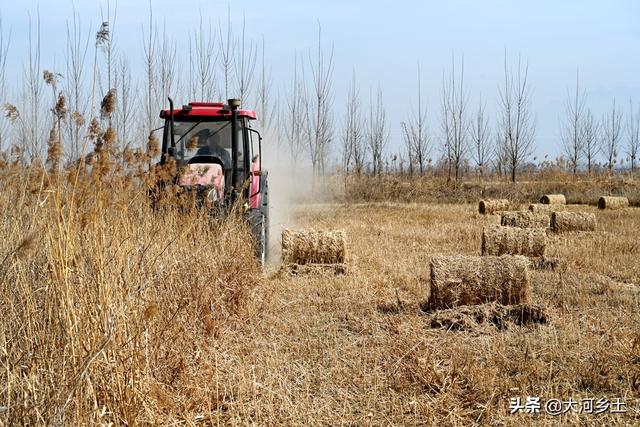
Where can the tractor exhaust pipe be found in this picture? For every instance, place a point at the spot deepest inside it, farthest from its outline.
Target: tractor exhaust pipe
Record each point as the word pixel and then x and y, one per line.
pixel 234 104
pixel 173 134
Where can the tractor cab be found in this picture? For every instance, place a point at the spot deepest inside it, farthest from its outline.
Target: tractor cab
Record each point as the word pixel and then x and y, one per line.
pixel 215 149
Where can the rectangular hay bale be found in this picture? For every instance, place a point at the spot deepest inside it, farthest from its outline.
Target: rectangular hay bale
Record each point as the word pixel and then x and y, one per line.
pixel 313 247
pixel 542 208
pixel 553 199
pixel 612 202
pixel 572 221
pixel 525 219
pixel 499 240
pixel 470 280
pixel 490 206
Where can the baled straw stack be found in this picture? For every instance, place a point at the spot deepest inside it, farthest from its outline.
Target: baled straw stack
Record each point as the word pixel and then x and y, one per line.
pixel 611 202
pixel 313 247
pixel 542 208
pixel 572 221
pixel 525 219
pixel 489 206
pixel 469 280
pixel 553 199
pixel 499 240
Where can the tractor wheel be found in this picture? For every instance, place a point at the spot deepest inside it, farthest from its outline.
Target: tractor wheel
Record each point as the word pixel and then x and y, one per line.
pixel 261 231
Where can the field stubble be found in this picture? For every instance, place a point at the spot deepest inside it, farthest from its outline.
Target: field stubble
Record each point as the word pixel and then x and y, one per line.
pixel 357 347
pixel 141 335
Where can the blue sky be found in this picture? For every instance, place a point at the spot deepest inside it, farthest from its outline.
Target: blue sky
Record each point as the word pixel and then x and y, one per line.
pixel 383 41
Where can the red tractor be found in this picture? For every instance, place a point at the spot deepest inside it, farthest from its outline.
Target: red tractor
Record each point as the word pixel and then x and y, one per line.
pixel 220 159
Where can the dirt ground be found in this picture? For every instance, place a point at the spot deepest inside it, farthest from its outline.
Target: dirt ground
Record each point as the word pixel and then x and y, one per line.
pixel 356 349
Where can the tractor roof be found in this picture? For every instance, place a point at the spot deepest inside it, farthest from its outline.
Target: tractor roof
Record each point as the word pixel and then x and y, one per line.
pixel 206 109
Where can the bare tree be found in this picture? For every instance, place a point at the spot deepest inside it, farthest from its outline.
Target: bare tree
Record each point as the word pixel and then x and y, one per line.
pixel 633 135
pixel 455 125
pixel 76 55
pixel 611 135
pixel 294 120
pixel 570 131
pixel 481 139
pixel 226 52
pixel 591 139
pixel 149 53
pixel 416 134
pixel 377 132
pixel 320 133
pixel 245 64
pixel 408 144
pixel 126 105
pixel 206 58
pixel 500 155
pixel 166 68
pixel 353 131
pixel 4 49
pixel 267 111
pixel 516 127
pixel 31 130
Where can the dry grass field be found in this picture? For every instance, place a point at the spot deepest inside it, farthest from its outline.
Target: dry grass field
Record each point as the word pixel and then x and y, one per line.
pixel 357 350
pixel 115 315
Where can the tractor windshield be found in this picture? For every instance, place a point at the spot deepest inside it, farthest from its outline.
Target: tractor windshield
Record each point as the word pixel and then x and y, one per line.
pixel 202 142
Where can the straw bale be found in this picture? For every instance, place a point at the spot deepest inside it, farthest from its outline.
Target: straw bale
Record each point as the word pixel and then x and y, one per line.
pixel 525 219
pixel 313 247
pixel 470 280
pixel 611 202
pixel 489 206
pixel 572 221
pixel 499 240
pixel 542 208
pixel 553 199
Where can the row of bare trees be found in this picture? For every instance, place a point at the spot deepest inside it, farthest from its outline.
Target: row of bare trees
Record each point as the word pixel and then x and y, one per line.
pixel 584 138
pixel 307 121
pixel 222 62
pixel 463 134
pixel 364 134
pixel 467 135
pixel 506 147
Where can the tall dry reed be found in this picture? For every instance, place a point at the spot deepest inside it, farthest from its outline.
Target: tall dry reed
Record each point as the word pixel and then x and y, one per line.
pixel 111 311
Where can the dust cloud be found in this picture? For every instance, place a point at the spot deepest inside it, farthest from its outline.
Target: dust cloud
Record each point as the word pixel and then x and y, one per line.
pixel 288 185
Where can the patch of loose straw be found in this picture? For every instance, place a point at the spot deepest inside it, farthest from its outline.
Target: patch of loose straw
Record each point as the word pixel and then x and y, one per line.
pixel 314 269
pixel 489 317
